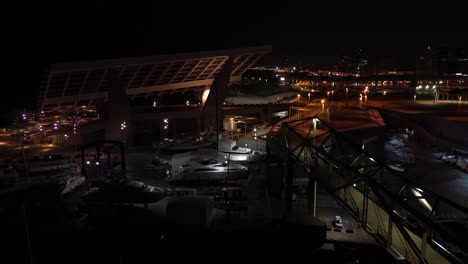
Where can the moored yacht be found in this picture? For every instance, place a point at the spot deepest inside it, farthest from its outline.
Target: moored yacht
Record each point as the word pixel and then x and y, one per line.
pixel 209 169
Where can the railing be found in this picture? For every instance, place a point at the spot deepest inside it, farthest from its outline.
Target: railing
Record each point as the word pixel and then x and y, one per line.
pixel 413 223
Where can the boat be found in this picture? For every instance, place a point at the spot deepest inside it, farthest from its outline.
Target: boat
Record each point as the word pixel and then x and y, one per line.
pixel 397 167
pixel 123 191
pixel 236 153
pixel 209 169
pixel 182 145
pixel 70 183
pixel 160 166
pixel 49 163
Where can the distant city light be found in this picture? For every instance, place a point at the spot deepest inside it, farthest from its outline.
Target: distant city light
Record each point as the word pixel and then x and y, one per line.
pixel 187 102
pixel 282 79
pixel 154 104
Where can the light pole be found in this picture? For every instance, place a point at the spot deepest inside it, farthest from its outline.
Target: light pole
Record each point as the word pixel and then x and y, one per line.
pixel 414 98
pixel 298 99
pixel 459 102
pixel 323 104
pixel 123 126
pixel 255 137
pixel 346 100
pixel 309 96
pixel 315 129
pixel 165 127
pixel 245 134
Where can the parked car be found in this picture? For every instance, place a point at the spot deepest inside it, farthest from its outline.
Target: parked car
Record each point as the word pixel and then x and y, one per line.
pixel 338 222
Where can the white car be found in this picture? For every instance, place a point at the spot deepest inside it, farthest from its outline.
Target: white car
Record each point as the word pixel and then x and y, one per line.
pixel 338 222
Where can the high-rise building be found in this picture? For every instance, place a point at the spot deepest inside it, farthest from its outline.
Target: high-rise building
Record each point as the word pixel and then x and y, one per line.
pixel 354 62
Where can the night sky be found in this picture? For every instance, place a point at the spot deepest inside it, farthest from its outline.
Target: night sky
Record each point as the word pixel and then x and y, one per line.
pixel 37 33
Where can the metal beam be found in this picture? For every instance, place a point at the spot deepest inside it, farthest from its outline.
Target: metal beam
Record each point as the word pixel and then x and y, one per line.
pixel 206 68
pixel 65 86
pixel 90 65
pixel 167 87
pixel 46 91
pixel 218 67
pixel 163 73
pixel 190 72
pixel 99 85
pixel 83 85
pixel 177 73
pixel 74 98
pixel 133 76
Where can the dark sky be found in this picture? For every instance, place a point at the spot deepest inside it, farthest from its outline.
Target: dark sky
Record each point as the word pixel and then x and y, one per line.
pixel 36 33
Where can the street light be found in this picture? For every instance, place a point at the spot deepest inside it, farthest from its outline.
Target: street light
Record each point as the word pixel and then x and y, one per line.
pixel 255 137
pixel 323 104
pixel 414 98
pixel 459 102
pixel 123 126
pixel 309 96
pixel 346 101
pixel 315 128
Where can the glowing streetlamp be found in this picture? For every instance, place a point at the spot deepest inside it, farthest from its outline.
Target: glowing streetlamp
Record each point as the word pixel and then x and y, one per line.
pixel 123 126
pixel 323 104
pixel 459 102
pixel 414 98
pixel 328 95
pixel 346 100
pixel 155 104
pixel 308 96
pixel 384 92
pixel 255 137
